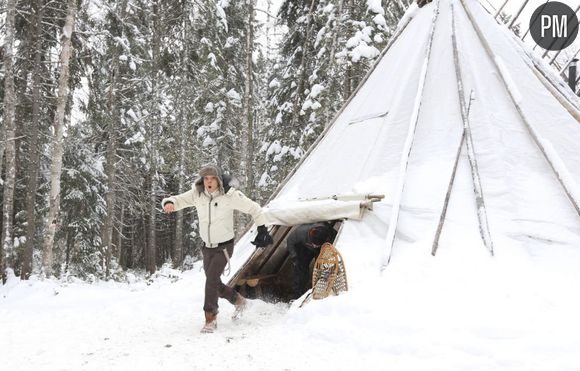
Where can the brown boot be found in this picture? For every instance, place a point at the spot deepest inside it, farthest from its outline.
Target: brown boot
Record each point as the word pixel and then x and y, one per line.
pixel 241 303
pixel 210 323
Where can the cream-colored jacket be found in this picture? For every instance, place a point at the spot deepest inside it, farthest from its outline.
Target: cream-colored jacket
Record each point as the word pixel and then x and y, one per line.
pixel 216 212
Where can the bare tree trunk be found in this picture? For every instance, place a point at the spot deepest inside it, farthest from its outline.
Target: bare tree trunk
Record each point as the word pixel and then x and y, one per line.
pixel 152 243
pixel 34 167
pixel 110 173
pixel 152 228
pixel 269 29
pixel 7 243
pixel 130 251
pixel 110 167
pixel 155 120
pixel 120 235
pixel 70 243
pixel 178 246
pixel 57 142
pixel 349 66
pixel 249 102
pixel 178 253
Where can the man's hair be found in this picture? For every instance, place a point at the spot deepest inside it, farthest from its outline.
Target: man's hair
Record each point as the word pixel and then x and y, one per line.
pixel 318 235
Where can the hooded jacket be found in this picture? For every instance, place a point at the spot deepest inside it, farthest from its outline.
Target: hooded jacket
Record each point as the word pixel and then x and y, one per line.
pixel 216 210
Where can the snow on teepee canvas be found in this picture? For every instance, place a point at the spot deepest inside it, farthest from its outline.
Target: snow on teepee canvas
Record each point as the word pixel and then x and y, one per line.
pixel 473 142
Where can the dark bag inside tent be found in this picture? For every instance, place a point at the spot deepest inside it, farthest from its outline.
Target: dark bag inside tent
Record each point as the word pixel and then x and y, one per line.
pixel 268 274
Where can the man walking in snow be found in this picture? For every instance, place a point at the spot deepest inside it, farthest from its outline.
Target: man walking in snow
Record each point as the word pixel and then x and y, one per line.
pixel 215 200
pixel 304 244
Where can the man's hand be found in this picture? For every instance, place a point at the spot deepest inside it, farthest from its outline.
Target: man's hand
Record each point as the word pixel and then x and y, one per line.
pixel 169 207
pixel 263 238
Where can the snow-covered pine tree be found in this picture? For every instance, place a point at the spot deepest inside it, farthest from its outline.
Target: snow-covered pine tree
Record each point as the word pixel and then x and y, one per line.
pixel 222 63
pixel 364 31
pixel 111 44
pixel 6 241
pixel 329 47
pixel 180 165
pixel 83 207
pixel 288 84
pixel 151 20
pixel 118 16
pixel 249 102
pixel 104 45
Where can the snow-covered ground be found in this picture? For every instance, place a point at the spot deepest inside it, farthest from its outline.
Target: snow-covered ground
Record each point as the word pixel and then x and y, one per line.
pixel 452 312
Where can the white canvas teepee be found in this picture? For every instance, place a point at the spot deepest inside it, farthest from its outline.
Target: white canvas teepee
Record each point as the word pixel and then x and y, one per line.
pixel 473 141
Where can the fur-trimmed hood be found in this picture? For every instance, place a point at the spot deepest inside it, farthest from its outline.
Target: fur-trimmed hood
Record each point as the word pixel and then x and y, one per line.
pixel 225 181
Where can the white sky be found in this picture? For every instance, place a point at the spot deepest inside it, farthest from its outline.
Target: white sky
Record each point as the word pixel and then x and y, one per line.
pixel 513 6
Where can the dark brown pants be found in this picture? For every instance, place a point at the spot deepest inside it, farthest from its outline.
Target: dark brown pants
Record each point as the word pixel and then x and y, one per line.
pixel 214 262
